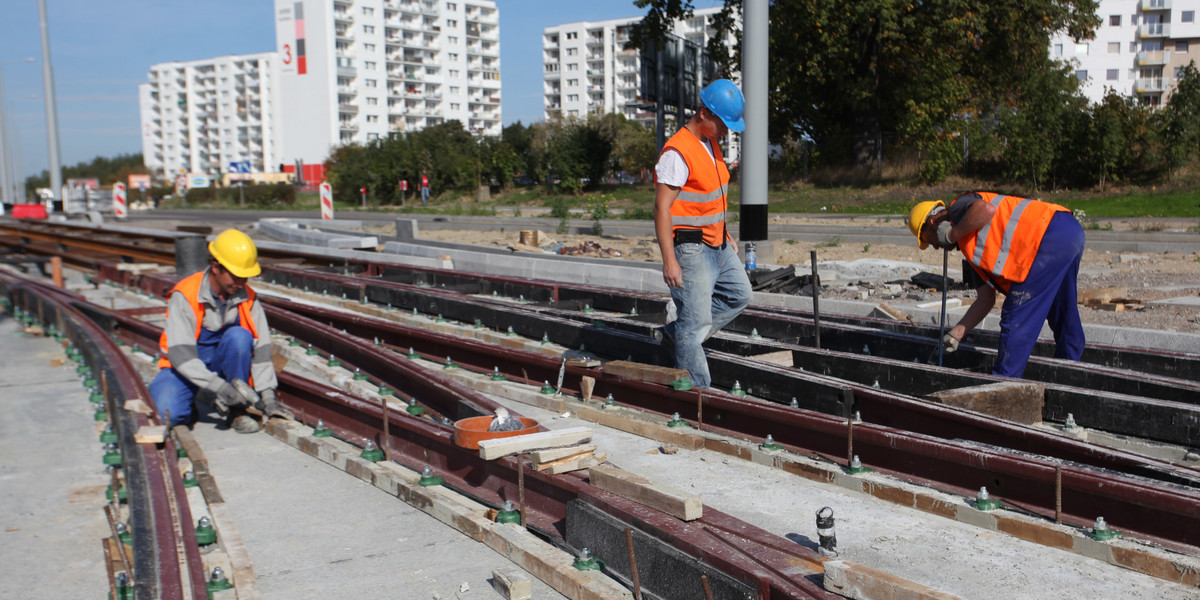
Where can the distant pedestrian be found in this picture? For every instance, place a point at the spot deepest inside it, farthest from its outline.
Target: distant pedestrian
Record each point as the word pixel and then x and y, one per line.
pixel 424 189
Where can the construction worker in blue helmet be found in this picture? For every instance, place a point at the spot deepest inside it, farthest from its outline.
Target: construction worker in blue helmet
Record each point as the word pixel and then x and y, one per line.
pixel 708 283
pixel 216 341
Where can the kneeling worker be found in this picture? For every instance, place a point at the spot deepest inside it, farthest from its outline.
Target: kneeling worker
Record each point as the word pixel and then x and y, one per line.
pixel 217 340
pixel 1028 249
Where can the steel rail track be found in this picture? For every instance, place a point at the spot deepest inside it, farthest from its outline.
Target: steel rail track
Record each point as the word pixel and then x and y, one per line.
pixel 776 567
pixel 1161 511
pixel 166 558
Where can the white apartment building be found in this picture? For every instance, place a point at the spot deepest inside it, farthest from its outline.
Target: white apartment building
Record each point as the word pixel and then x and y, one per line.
pixel 587 70
pixel 1139 49
pixel 353 71
pixel 211 116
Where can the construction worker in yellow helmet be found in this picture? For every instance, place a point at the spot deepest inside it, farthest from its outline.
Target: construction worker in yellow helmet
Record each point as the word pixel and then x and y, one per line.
pixel 1027 249
pixel 216 342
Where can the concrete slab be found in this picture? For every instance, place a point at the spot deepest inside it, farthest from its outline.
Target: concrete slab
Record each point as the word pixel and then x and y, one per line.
pixel 51 479
pixel 1193 301
pixel 320 533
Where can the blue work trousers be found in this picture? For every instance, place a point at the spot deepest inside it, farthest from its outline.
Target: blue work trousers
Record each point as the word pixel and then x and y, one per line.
pixel 715 289
pixel 226 353
pixel 1047 294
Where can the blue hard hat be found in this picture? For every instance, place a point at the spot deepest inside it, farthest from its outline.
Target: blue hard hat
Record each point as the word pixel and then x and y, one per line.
pixel 725 100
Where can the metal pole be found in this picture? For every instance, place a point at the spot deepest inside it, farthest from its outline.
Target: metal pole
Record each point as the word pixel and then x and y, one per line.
pixel 755 86
pixel 816 286
pixel 6 174
pixel 942 327
pixel 51 110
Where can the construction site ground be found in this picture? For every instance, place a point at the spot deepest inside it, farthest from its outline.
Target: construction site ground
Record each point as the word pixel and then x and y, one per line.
pixel 314 532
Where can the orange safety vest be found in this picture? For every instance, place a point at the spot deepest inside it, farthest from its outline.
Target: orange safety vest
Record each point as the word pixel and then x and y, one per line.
pixel 701 201
pixel 190 288
pixel 1003 251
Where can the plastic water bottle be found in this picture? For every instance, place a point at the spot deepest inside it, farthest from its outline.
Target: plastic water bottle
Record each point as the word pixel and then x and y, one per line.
pixel 671 311
pixel 751 257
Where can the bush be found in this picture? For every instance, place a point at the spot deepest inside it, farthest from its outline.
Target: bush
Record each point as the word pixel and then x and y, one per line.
pixel 265 195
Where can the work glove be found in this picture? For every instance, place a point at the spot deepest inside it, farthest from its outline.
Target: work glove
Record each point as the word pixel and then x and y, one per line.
pixel 270 407
pixel 234 394
pixel 950 343
pixel 943 235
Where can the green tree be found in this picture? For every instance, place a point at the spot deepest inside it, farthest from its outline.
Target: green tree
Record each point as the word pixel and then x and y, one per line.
pixel 1181 120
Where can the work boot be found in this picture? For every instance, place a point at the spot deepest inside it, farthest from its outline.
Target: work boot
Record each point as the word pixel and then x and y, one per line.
pixel 244 424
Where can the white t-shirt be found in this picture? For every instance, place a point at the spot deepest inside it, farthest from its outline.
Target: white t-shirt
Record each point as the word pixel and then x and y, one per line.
pixel 673 170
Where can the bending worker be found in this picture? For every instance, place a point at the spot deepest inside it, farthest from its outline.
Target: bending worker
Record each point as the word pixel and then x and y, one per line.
pixel 708 283
pixel 1028 249
pixel 217 341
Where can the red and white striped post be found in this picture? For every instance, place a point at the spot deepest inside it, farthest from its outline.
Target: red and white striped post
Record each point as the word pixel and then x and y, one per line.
pixel 326 201
pixel 119 206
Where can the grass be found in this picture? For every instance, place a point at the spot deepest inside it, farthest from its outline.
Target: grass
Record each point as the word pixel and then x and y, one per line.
pixel 1142 204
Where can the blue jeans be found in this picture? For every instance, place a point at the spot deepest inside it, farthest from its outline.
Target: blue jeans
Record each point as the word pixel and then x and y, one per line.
pixel 424 195
pixel 715 289
pixel 226 353
pixel 1047 294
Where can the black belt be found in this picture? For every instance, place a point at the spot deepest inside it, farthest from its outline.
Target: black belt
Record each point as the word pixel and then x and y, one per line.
pixel 694 236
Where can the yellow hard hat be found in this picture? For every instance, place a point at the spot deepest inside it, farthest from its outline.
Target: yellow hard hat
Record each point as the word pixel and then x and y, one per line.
pixel 917 217
pixel 236 252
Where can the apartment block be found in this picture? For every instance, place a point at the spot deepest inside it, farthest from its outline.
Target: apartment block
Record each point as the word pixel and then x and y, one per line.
pixel 1139 49
pixel 354 71
pixel 211 116
pixel 588 71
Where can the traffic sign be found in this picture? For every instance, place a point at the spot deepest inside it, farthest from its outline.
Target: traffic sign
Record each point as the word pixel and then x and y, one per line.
pixel 119 200
pixel 326 201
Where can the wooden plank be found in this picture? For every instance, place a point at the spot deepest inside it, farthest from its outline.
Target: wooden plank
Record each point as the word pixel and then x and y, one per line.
pixel 586 385
pixel 512 584
pixel 679 504
pixel 555 454
pixel 493 449
pixel 574 458
pixel 1100 295
pixel 857 581
pixel 151 434
pixel 643 372
pixel 578 464
pixel 138 406
pixel 1020 401
pixel 782 358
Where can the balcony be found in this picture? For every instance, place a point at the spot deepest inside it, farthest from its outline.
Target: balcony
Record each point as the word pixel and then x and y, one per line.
pixel 1150 85
pixel 1148 5
pixel 347 108
pixel 1152 57
pixel 1154 30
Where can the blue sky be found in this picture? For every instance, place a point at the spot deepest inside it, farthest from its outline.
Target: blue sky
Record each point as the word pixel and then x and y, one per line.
pixel 102 50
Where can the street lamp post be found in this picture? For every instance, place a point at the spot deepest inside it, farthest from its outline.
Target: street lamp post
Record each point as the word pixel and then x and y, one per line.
pixel 51 104
pixel 8 170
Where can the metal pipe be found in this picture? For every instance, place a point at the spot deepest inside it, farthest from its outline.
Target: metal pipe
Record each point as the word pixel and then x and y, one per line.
pixel 942 320
pixel 816 287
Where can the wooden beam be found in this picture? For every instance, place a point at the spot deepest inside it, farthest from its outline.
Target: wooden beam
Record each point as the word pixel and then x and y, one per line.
pixel 493 449
pixel 586 462
pixel 643 372
pixel 151 434
pixel 1020 401
pixel 512 584
pixel 555 454
pixel 682 505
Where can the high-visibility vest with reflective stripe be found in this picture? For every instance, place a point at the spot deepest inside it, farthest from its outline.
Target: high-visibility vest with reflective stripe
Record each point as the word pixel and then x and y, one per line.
pixel 701 201
pixel 1005 247
pixel 190 288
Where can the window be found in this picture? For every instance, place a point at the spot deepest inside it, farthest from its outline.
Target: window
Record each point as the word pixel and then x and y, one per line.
pixel 1181 47
pixel 368 29
pixel 369 65
pixel 572 82
pixel 372 137
pixel 1114 20
pixel 455 106
pixel 454 89
pixel 369 83
pixel 372 118
pixel 1081 74
pixel 573 67
pixel 1178 72
pixel 451 6
pixel 1187 16
pixel 573 113
pixel 572 97
pixel 453 56
pixel 451 23
pixel 372 101
pixel 572 35
pixel 454 72
pixel 1082 49
pixel 368 11
pixel 1133 46
pixel 1114 47
pixel 572 51
pixel 1133 19
pixel 1112 74
pixel 452 39
pixel 1058 49
pixel 369 47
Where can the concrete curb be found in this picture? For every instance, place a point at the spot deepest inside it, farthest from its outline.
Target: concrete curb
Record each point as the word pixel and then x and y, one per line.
pixel 292 231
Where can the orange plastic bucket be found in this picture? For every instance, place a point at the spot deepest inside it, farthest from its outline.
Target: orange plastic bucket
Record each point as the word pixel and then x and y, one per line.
pixel 470 431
